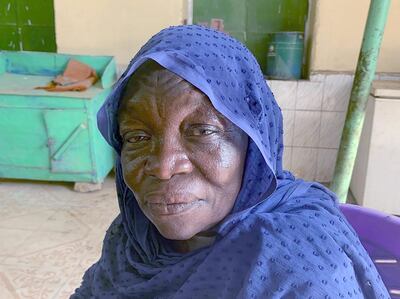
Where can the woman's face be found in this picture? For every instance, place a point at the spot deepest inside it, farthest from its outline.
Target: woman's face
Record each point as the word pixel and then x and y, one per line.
pixel 181 158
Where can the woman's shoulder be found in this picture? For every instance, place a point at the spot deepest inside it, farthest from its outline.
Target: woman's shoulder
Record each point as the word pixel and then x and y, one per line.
pixel 307 236
pixel 301 196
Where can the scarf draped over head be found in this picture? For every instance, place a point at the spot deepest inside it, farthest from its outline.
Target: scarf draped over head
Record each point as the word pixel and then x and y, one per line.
pixel 283 238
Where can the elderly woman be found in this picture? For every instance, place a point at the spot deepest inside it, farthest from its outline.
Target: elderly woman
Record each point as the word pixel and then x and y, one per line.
pixel 206 209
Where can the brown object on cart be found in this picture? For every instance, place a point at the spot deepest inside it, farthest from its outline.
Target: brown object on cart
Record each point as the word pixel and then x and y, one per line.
pixel 76 77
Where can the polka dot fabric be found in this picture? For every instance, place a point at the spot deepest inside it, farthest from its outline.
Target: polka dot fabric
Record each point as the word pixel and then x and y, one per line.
pixel 285 238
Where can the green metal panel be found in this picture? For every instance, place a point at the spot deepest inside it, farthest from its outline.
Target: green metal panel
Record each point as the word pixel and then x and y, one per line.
pixel 27 25
pixel 38 38
pixel 264 17
pixel 251 20
pixel 258 44
pixel 239 35
pixel 8 12
pixel 276 15
pixel 232 11
pixel 36 25
pixel 35 13
pixel 9 38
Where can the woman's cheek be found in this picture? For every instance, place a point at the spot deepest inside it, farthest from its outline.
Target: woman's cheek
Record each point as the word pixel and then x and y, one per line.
pixel 215 161
pixel 133 168
pixel 231 152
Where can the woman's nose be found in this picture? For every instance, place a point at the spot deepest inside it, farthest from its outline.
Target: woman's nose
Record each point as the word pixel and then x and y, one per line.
pixel 168 159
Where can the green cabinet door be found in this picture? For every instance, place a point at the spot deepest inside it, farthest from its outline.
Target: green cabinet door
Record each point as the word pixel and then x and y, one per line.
pixel 23 142
pixel 68 140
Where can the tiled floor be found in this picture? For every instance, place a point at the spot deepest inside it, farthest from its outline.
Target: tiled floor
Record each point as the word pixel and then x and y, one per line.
pixel 49 235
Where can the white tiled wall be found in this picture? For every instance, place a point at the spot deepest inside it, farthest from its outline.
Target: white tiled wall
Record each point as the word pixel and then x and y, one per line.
pixel 306 128
pixel 286 92
pixel 288 126
pixel 326 158
pixel 309 95
pixel 314 112
pixel 337 88
pixel 304 162
pixel 331 129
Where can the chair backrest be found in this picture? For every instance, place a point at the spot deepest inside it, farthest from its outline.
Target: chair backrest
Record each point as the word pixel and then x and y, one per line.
pixel 380 235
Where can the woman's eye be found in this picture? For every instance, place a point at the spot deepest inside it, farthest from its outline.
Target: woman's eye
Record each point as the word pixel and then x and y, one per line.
pixel 202 131
pixel 137 138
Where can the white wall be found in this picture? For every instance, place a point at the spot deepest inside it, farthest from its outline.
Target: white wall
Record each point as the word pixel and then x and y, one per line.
pixel 107 27
pixel 338 31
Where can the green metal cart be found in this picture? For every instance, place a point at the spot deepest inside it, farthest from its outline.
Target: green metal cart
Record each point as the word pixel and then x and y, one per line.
pixel 52 135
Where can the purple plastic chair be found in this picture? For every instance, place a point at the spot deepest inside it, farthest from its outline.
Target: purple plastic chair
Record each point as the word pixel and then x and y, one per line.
pixel 380 235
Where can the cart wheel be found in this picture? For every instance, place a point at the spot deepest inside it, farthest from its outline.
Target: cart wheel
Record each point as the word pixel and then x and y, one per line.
pixel 87 187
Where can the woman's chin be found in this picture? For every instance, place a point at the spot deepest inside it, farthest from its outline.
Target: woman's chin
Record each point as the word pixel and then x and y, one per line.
pixel 179 224
pixel 177 232
pixel 178 228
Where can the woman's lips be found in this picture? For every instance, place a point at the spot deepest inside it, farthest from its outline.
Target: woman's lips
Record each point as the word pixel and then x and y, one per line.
pixel 170 204
pixel 170 209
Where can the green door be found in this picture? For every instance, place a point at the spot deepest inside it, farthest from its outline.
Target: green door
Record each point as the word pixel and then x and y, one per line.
pixel 27 25
pixel 251 21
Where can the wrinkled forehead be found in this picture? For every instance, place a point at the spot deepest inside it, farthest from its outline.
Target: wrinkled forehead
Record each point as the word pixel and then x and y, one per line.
pixel 153 85
pixel 151 77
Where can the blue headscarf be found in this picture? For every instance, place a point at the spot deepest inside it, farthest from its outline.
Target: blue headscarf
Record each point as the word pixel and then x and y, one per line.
pixel 283 238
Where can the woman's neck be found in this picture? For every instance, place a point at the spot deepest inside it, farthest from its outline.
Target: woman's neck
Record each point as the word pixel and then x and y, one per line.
pixel 197 241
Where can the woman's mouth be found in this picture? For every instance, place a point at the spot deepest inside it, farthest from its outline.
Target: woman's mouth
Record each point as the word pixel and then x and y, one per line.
pixel 164 209
pixel 170 203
